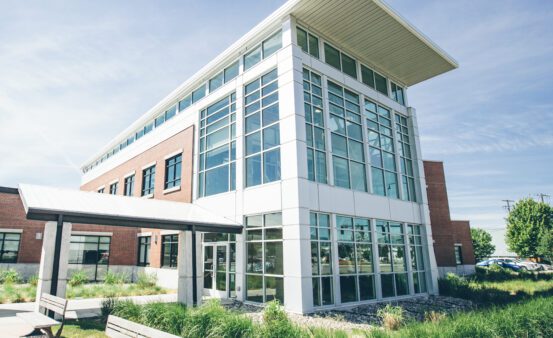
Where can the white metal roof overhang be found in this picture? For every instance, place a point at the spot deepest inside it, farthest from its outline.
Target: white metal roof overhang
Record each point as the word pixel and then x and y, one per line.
pixel 377 35
pixel 48 203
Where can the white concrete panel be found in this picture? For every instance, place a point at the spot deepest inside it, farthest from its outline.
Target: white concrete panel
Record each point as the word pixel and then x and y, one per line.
pixel 290 194
pixel 313 194
pixel 401 211
pixel 289 159
pixel 336 200
pixel 221 204
pixel 262 198
pixel 373 206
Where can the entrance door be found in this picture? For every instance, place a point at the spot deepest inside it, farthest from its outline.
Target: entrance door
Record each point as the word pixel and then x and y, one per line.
pixel 216 266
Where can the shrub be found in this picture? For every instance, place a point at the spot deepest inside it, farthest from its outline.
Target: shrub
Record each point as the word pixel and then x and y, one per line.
pixel 165 317
pixel 33 280
pixel 79 277
pixel 277 323
pixel 127 309
pixel 108 305
pixel 433 316
pixel 391 316
pixel 9 276
pixel 145 280
pixel 112 278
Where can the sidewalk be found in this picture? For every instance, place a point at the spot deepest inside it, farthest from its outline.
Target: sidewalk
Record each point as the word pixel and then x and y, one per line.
pixel 11 326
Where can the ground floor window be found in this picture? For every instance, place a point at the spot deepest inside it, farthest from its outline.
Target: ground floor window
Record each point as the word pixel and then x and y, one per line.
pixel 458 255
pixel 144 244
pixel 321 259
pixel 264 266
pixel 417 258
pixel 392 259
pixel 9 247
pixel 169 251
pixel 91 254
pixel 219 252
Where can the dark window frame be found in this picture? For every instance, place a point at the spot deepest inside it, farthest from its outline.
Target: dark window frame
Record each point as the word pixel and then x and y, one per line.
pixel 458 250
pixel 146 242
pixel 129 185
pixel 113 188
pixel 148 175
pixel 173 168
pixel 3 243
pixel 173 241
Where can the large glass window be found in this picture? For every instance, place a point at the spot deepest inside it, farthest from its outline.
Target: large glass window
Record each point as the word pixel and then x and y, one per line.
pixel 129 185
pixel 355 258
pixel 148 180
pixel 321 259
pixel 381 150
pixel 173 171
pixel 266 49
pixel 341 61
pixel 264 265
pixel 169 251
pixel 314 127
pixel 261 129
pixel 405 159
pixel 348 154
pixel 9 247
pixel 392 259
pixel 308 42
pixel 381 83
pixel 113 188
pixel 217 166
pixel 144 244
pixel 397 93
pixel 417 258
pixel 91 254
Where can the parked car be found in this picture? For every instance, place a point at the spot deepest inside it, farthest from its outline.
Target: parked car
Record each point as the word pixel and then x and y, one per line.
pixel 501 262
pixel 545 267
pixel 527 265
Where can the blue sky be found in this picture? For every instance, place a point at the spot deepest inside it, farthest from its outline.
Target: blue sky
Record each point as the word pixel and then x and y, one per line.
pixel 73 74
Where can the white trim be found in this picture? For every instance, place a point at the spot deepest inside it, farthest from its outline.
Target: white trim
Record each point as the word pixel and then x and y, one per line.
pixel 148 196
pixel 458 244
pixel 91 233
pixel 114 181
pixel 149 165
pixel 144 234
pixel 11 231
pixel 170 190
pixel 168 232
pixel 176 152
pixel 129 174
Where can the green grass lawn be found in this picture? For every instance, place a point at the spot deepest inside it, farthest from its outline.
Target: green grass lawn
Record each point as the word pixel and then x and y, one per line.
pixel 17 293
pixel 83 329
pixel 513 286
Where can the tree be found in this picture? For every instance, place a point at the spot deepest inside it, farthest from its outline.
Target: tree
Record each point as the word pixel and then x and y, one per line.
pixel 482 243
pixel 545 248
pixel 527 223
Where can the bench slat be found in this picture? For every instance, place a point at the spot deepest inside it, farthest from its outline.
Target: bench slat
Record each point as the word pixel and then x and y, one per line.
pixel 37 320
pixel 54 303
pixel 117 327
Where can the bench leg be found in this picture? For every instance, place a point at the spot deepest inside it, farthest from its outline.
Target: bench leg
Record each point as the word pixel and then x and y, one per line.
pixel 36 333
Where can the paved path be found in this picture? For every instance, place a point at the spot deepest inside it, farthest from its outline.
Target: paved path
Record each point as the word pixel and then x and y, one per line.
pixel 11 326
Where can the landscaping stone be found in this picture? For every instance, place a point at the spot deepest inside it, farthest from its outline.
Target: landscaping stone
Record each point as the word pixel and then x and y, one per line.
pixel 364 317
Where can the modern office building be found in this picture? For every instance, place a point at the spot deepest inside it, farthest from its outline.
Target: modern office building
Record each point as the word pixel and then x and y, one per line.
pixel 302 132
pixel 452 238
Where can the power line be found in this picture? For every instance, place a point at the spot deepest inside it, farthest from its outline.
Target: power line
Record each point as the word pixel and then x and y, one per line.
pixel 508 204
pixel 541 196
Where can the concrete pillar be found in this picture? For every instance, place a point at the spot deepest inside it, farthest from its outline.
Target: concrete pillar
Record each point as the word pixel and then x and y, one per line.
pixel 184 267
pixel 47 260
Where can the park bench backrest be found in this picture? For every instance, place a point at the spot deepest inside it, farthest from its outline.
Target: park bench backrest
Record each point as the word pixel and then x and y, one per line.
pixel 117 327
pixel 53 303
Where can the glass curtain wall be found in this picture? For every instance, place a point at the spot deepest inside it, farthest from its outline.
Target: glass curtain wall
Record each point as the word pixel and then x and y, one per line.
pixel 392 259
pixel 314 126
pixel 90 254
pixel 417 258
pixel 405 159
pixel 321 259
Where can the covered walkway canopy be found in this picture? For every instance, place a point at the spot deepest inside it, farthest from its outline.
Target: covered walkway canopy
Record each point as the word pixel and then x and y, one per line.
pixel 62 207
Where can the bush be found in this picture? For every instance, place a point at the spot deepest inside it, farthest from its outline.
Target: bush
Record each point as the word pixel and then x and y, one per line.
pixel 9 276
pixel 127 309
pixel 165 317
pixel 108 305
pixel 277 323
pixel 79 277
pixel 33 280
pixel 496 273
pixel 145 280
pixel 392 317
pixel 113 278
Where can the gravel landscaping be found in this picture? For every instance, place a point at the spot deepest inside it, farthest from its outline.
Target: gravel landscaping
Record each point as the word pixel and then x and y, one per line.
pixel 363 317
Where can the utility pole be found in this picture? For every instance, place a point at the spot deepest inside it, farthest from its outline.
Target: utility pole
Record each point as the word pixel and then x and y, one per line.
pixel 541 196
pixel 508 204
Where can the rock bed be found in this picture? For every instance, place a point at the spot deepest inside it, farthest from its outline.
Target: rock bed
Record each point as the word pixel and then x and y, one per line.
pixel 364 317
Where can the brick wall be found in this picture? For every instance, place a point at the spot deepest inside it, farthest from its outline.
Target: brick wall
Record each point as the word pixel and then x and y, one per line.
pixel 445 232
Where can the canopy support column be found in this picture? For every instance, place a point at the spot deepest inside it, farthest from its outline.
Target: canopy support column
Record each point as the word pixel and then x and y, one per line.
pixel 52 275
pixel 190 287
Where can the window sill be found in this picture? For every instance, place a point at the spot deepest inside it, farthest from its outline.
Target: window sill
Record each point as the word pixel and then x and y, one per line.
pixel 148 196
pixel 170 190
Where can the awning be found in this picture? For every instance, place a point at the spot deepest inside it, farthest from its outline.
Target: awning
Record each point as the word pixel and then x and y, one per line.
pixel 75 206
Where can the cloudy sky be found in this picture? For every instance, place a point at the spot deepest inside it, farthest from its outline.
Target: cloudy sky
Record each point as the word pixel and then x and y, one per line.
pixel 73 74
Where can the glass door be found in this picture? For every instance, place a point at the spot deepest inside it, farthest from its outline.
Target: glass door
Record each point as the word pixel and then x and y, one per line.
pixel 216 268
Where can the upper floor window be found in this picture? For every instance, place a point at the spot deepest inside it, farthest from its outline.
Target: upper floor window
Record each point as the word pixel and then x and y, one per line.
pixel 397 93
pixel 340 60
pixel 405 159
pixel 217 168
pixel 224 76
pixel 261 129
pixel 148 180
pixel 266 49
pixel 129 185
pixel 113 188
pixel 314 126
pixel 101 190
pixel 9 247
pixel 374 80
pixel 173 171
pixel 308 42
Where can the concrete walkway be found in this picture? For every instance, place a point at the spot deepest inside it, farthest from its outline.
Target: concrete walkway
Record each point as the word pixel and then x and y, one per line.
pixel 11 326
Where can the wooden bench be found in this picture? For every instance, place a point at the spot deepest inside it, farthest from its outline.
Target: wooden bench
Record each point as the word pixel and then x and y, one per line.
pixel 117 327
pixel 41 323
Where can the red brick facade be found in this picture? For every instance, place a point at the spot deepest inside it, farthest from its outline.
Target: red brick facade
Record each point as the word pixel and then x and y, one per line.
pixel 445 232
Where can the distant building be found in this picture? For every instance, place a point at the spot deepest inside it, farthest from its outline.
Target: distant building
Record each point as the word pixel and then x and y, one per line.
pixel 452 239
